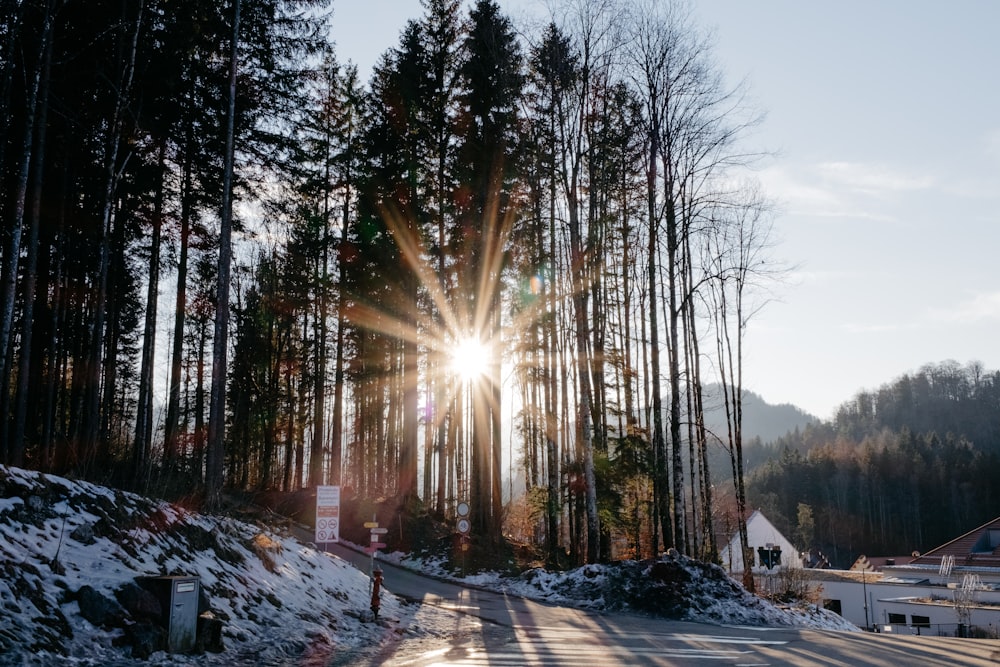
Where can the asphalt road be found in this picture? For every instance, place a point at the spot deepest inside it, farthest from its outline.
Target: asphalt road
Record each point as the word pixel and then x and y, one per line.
pixel 500 630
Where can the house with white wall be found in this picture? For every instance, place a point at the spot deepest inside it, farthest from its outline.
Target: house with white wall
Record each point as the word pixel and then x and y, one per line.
pixel 771 549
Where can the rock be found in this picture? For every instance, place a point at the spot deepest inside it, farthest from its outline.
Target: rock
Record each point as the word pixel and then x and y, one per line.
pixel 140 603
pixel 98 609
pixel 145 639
pixel 84 533
pixel 57 567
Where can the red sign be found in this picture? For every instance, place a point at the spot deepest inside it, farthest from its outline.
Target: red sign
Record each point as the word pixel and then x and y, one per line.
pixel 378 545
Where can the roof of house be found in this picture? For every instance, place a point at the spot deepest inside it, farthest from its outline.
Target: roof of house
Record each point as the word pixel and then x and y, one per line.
pixel 753 516
pixel 979 547
pixel 876 563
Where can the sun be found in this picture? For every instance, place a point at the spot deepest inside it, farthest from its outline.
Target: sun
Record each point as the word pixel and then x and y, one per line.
pixel 470 359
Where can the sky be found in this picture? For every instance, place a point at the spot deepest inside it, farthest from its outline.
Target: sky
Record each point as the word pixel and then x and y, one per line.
pixel 883 120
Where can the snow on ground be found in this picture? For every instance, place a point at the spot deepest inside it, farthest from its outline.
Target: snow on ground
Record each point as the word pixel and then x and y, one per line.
pixel 674 587
pixel 280 600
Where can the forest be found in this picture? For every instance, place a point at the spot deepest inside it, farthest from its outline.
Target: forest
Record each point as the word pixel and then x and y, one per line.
pixel 904 468
pixel 230 265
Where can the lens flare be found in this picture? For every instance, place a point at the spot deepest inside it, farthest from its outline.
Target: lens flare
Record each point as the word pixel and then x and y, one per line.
pixel 469 359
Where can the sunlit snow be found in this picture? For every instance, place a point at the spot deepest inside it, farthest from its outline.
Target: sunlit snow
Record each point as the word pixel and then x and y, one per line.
pixel 281 600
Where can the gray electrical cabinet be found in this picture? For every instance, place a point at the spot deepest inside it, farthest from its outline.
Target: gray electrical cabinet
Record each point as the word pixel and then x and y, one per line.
pixel 178 598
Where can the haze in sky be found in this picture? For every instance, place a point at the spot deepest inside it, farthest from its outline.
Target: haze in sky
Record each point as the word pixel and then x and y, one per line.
pixel 885 122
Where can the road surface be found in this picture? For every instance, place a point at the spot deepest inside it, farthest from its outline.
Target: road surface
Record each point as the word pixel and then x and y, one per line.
pixel 494 629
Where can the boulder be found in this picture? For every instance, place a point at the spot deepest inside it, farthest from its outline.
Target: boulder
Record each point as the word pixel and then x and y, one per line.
pixel 140 603
pixel 99 609
pixel 145 639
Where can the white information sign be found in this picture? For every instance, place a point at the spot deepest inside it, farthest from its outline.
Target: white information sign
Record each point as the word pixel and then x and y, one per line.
pixel 327 514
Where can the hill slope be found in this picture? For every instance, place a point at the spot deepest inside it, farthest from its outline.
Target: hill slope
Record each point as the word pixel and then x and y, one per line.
pixel 70 553
pixel 760 419
pixel 58 537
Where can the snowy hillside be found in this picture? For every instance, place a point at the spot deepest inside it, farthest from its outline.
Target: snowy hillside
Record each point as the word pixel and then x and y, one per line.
pixel 70 553
pixel 279 600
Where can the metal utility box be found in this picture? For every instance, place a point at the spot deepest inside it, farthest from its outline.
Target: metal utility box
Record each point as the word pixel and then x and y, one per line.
pixel 178 598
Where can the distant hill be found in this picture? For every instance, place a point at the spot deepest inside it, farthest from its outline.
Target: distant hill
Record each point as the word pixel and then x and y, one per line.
pixel 760 419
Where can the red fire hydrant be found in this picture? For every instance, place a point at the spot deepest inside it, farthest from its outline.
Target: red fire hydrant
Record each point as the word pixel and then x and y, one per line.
pixel 376 586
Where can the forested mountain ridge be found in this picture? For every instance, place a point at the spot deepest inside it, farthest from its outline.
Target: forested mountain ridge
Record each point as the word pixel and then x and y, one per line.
pixel 761 420
pixel 944 398
pixel 902 468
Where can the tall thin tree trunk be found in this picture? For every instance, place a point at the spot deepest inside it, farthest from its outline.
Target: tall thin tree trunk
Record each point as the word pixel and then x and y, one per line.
pixel 337 428
pixel 171 428
pixel 91 426
pixel 12 249
pixel 316 476
pixel 660 479
pixel 674 355
pixel 24 374
pixel 57 352
pixel 141 452
pixel 214 470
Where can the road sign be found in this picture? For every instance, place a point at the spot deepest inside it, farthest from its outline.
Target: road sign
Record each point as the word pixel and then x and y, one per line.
pixel 463 509
pixel 378 545
pixel 379 531
pixel 375 538
pixel 371 524
pixel 327 514
pixel 464 526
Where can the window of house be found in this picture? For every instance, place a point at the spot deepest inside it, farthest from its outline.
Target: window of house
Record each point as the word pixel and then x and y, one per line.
pixel 833 605
pixel 920 621
pixel 897 619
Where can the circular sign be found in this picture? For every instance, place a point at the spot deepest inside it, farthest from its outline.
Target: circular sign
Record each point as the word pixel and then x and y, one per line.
pixel 463 509
pixel 464 526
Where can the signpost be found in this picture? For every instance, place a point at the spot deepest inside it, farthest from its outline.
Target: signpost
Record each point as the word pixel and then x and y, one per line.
pixel 375 537
pixel 327 514
pixel 464 526
pixel 375 545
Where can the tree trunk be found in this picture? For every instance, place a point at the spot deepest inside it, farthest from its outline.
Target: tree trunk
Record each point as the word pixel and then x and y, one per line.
pixel 171 430
pixel 12 251
pixel 214 470
pixel 91 426
pixel 24 374
pixel 144 411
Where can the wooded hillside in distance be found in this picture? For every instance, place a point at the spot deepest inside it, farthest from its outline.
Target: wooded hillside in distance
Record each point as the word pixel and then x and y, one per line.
pixel 904 468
